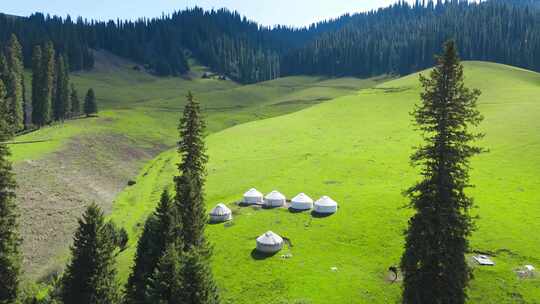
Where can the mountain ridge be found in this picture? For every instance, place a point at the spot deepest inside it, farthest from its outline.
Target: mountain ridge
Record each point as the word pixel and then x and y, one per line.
pixel 401 38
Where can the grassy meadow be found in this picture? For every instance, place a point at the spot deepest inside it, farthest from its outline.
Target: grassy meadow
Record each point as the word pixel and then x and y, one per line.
pixel 146 108
pixel 92 159
pixel 356 149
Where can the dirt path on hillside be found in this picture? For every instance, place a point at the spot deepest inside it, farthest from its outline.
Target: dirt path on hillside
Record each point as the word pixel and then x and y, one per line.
pixel 53 192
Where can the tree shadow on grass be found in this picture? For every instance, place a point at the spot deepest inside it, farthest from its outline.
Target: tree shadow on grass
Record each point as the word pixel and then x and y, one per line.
pixel 320 215
pixel 257 255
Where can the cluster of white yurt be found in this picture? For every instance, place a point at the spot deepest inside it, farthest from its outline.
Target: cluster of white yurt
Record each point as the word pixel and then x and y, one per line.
pixel 220 213
pixel 252 197
pixel 269 242
pixel 325 205
pixel 302 202
pixel 274 199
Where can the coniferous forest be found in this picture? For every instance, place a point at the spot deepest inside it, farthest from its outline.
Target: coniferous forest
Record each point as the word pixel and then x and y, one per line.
pixel 52 97
pixel 398 39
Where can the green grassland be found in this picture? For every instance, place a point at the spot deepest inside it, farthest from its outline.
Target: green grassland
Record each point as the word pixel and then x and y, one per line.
pixel 356 149
pixel 91 159
pixel 146 108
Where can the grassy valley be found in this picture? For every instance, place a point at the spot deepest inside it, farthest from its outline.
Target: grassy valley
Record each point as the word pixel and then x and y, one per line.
pixel 356 149
pixel 92 159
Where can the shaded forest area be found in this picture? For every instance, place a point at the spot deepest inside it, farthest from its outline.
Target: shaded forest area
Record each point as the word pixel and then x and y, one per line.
pixel 400 39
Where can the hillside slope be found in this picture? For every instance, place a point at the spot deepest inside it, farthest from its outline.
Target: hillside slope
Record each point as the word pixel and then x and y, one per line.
pixel 356 149
pixel 92 160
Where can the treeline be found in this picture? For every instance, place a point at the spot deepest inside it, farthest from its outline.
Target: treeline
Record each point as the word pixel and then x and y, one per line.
pixel 53 98
pixel 12 77
pixel 227 42
pixel 222 39
pixel 65 34
pixel 403 38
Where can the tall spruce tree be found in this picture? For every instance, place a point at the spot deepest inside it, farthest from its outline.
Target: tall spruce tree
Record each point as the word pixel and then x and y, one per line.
pixel 27 120
pixel 90 277
pixel 190 182
pixel 4 78
pixel 61 100
pixel 68 107
pixel 165 286
pixel 4 68
pixel 38 116
pixel 48 84
pixel 159 232
pixel 199 286
pixel 198 283
pixel 14 84
pixel 434 264
pixel 90 104
pixel 75 102
pixel 10 241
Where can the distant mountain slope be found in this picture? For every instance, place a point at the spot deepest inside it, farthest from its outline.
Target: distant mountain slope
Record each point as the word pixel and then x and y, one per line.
pixel 356 149
pixel 401 38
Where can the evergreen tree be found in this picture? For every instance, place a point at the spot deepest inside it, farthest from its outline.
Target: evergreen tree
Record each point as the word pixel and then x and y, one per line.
pixel 38 112
pixel 158 233
pixel 198 281
pixel 199 286
pixel 27 120
pixel 4 68
pixel 10 242
pixel 75 103
pixel 190 182
pixel 90 104
pixel 61 101
pixel 4 78
pixel 434 264
pixel 90 278
pixel 68 107
pixel 47 85
pixel 165 285
pixel 14 84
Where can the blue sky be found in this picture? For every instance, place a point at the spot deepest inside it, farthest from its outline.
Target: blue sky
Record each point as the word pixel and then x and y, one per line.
pixel 267 12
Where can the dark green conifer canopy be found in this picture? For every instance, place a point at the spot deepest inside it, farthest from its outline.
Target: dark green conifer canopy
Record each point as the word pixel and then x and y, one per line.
pixel 434 264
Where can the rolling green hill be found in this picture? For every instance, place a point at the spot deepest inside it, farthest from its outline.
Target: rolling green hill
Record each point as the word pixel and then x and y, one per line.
pixel 92 159
pixel 355 149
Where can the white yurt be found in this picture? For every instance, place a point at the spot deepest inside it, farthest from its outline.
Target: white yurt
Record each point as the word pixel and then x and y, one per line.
pixel 220 213
pixel 302 202
pixel 325 205
pixel 252 196
pixel 269 242
pixel 274 199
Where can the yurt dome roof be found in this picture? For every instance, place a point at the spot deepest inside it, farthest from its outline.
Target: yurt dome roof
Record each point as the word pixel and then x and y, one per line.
pixel 253 193
pixel 220 209
pixel 302 198
pixel 325 201
pixel 270 238
pixel 275 195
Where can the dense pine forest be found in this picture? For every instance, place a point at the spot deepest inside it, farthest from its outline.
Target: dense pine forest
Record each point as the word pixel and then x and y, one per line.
pixel 402 38
pixel 53 99
pixel 398 39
